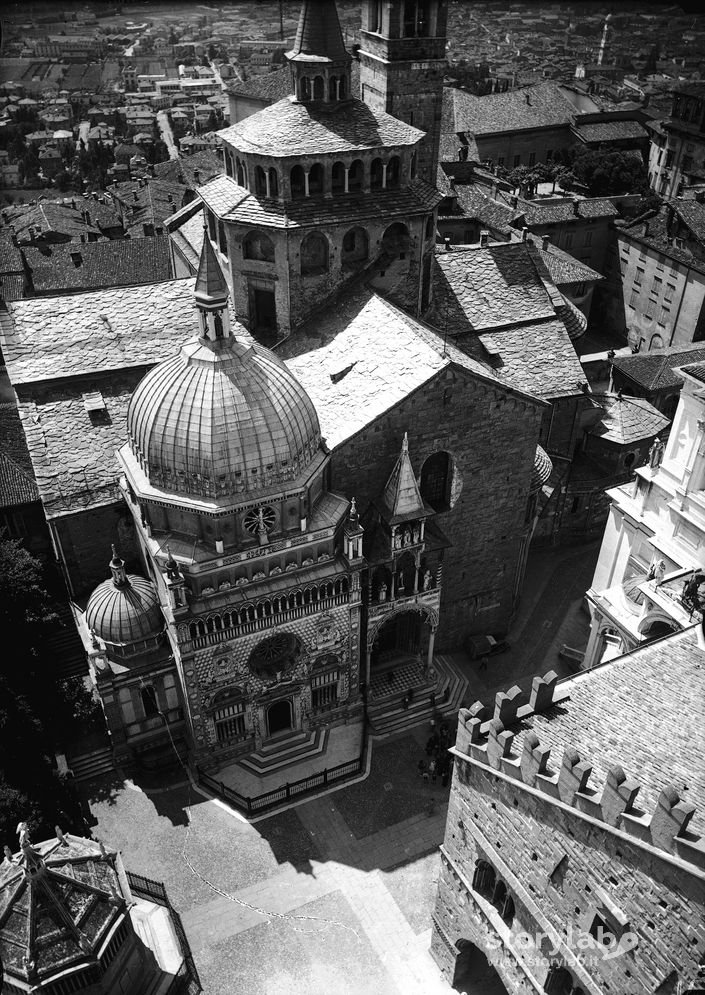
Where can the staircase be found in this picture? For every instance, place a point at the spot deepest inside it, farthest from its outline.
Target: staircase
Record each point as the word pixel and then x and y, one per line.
pixel 385 710
pixel 95 763
pixel 286 751
pixel 65 646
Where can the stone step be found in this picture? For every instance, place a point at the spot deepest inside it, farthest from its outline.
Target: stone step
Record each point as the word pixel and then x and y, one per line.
pixel 90 765
pixel 390 717
pixel 314 745
pixel 283 743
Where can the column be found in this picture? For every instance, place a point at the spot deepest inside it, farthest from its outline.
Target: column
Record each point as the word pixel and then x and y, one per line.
pixel 306 193
pixel 431 641
pixel 384 175
pixel 266 182
pixel 368 667
pixel 417 569
pixel 347 170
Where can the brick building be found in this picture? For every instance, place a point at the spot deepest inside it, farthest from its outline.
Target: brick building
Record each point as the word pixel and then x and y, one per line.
pixel 573 855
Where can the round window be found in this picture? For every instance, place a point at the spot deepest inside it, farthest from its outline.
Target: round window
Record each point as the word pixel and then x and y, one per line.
pixel 260 519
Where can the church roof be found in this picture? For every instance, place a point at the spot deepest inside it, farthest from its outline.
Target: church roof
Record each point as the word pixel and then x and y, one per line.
pixel 231 202
pixel 211 284
pixel 627 419
pixel 363 356
pixel 401 496
pixel 126 613
pixel 58 901
pixel 222 418
pixel 318 35
pixel 289 128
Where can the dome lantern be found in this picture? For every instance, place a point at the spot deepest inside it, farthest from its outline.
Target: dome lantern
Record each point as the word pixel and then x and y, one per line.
pixel 320 63
pixel 124 611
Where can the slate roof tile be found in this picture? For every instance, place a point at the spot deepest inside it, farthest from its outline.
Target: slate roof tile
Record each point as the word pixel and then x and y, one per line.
pixel 17 487
pixel 627 419
pixel 289 128
pixel 540 106
pixel 88 266
pixel 99 331
pixel 641 711
pixel 550 212
pixel 609 131
pixel 656 370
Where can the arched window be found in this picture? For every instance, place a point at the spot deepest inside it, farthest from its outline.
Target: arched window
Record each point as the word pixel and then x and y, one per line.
pixel 376 15
pixel 484 879
pixel 393 171
pixel 429 227
pixel 257 245
pixel 314 254
pixel 222 239
pixel 437 481
pixel 355 245
pixel 341 89
pixel 241 174
pixel 503 902
pixel 413 166
pixel 376 174
pixel 228 163
pixel 273 182
pixel 318 88
pixel 333 88
pixel 260 182
pixel 355 176
pixel 415 18
pixel 298 183
pixel 304 88
pixel 338 178
pixel 656 342
pixel 315 179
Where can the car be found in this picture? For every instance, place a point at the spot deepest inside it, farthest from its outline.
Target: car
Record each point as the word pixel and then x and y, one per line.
pixel 485 646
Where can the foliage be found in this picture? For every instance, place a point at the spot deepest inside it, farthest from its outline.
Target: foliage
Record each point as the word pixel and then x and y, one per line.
pixel 606 171
pixel 34 707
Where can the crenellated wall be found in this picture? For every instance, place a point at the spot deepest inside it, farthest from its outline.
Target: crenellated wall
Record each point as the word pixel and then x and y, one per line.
pixel 570 856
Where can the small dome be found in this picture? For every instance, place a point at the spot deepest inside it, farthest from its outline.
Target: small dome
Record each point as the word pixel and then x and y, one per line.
pixel 124 609
pixel 222 418
pixel 542 470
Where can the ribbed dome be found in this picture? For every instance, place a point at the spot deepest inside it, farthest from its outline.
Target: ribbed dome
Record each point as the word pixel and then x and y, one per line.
pixel 222 418
pixel 124 609
pixel 543 468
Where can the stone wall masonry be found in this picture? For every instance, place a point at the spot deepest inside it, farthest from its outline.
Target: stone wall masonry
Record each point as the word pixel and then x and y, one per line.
pixel 85 540
pixel 492 436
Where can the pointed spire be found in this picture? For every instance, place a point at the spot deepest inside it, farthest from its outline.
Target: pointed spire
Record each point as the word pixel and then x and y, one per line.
pixel 117 568
pixel 211 286
pixel 401 495
pixel 318 33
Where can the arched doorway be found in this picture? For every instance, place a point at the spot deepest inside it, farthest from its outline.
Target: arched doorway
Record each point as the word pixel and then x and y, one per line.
pixel 397 637
pixel 473 972
pixel 279 717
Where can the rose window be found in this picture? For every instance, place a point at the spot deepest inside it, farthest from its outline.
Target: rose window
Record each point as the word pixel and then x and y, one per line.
pixel 276 654
pixel 260 519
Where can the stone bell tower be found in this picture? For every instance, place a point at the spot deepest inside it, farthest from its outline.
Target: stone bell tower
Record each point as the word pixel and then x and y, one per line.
pixel 402 64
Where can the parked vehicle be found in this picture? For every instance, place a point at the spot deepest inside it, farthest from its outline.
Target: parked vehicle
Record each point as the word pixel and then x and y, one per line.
pixel 478 646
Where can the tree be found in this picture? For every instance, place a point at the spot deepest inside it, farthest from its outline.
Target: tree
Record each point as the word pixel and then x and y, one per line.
pixel 33 704
pixel 608 171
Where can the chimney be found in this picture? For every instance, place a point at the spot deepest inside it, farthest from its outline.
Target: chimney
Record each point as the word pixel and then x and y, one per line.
pixel 170 198
pixel 95 195
pixel 514 200
pixel 524 234
pixel 646 229
pixel 576 207
pixel 545 242
pixel 446 243
pixel 484 238
pixel 73 203
pixel 527 96
pixel 134 195
pixel 670 215
pixel 197 175
pixel 494 191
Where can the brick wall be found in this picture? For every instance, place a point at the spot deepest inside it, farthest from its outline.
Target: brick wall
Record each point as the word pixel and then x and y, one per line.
pixel 560 870
pixel 492 437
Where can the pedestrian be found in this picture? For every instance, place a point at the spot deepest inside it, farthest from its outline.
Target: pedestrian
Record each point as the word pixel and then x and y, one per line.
pixel 429 746
pixel 405 702
pixel 433 770
pixel 483 663
pixel 410 694
pixel 445 776
pixel 425 777
pixel 432 701
pixel 421 768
